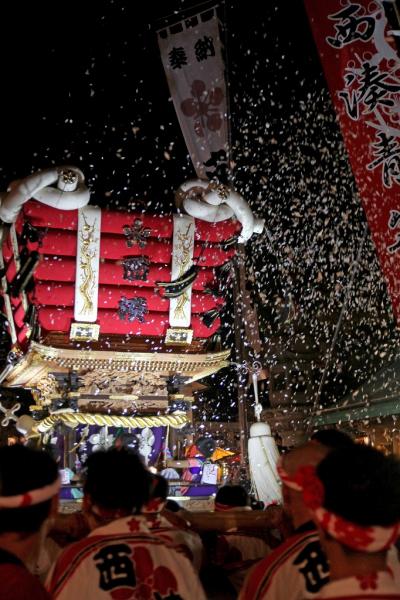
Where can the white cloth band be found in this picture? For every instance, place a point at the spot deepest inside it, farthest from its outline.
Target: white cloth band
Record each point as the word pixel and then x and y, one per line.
pixel 364 538
pixel 31 498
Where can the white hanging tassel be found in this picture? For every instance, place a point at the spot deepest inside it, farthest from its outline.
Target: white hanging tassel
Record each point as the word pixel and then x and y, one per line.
pixel 263 456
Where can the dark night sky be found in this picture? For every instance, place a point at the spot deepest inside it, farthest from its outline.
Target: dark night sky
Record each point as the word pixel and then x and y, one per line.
pixel 88 88
pixel 74 88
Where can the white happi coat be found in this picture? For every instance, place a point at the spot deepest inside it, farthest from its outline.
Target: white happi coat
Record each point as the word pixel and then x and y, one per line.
pixel 379 585
pixel 187 542
pixel 123 559
pixel 295 570
pixel 393 563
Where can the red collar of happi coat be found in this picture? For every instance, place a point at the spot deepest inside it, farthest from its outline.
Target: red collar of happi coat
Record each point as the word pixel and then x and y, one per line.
pixel 154 506
pixel 130 524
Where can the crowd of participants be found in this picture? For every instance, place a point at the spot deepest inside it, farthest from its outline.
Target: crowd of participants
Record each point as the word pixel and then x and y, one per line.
pixel 337 534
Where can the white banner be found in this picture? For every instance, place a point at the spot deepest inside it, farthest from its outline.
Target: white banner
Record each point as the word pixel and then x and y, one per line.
pixel 210 474
pixel 180 308
pixel 192 59
pixel 87 264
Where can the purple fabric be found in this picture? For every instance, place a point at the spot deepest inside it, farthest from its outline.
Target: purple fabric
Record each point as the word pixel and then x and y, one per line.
pixel 192 490
pixel 66 493
pixel 58 448
pixel 158 432
pixel 159 442
pixel 200 490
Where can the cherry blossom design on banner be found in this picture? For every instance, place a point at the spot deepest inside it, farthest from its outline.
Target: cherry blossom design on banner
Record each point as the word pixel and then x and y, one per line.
pixel 363 72
pixel 192 59
pixel 203 107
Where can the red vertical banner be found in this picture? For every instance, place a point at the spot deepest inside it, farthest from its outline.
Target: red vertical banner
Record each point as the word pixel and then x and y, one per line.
pixel 362 69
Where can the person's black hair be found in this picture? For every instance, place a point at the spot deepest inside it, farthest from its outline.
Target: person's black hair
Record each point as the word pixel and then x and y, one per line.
pixel 158 487
pixel 173 506
pixel 24 470
pixel 232 495
pixel 333 438
pixel 257 504
pixel 362 485
pixel 117 479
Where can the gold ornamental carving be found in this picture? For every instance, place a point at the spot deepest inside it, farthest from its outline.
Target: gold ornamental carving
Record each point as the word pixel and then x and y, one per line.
pixel 87 255
pixel 155 362
pixel 45 388
pixel 179 311
pixel 184 252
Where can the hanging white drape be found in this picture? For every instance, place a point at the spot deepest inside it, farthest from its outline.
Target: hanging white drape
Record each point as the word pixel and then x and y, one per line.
pixel 263 458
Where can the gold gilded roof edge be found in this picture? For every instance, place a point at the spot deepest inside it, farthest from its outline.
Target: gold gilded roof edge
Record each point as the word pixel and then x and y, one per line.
pixel 142 360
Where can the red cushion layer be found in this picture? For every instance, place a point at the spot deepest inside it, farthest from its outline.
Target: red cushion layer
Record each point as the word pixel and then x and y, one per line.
pixel 7 249
pixel 52 319
pixel 63 294
pixel 111 273
pixel 114 247
pixel 113 222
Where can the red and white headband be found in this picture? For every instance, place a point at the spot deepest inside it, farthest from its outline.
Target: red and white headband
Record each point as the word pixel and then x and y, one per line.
pixel 289 481
pixel 358 537
pixel 373 538
pixel 31 498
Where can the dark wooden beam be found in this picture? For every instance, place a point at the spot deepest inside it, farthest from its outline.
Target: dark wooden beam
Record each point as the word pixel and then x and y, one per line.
pixel 358 412
pixel 122 343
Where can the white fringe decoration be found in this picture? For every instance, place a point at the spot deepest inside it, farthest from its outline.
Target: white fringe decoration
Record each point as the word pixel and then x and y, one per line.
pixel 263 456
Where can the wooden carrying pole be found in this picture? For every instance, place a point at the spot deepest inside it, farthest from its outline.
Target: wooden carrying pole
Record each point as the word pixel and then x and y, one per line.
pixel 239 286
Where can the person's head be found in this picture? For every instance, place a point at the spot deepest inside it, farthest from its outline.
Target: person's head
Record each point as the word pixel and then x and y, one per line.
pixel 158 487
pixel 158 493
pixel 172 506
pixel 29 487
pixel 116 484
pixel 231 496
pixel 256 504
pixel 291 465
pixel 360 510
pixel 332 438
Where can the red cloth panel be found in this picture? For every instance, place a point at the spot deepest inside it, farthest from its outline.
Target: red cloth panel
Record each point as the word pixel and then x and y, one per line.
pixel 22 335
pixel 7 249
pixel 359 56
pixel 48 293
pixel 113 222
pixel 53 319
pixel 114 247
pixel 63 269
pixel 19 315
pixel 11 270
